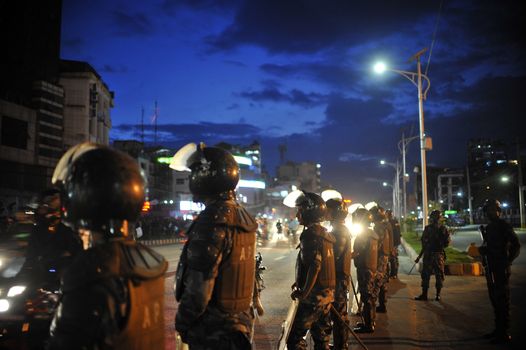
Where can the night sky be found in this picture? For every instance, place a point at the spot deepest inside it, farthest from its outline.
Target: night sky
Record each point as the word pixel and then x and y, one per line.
pixel 300 73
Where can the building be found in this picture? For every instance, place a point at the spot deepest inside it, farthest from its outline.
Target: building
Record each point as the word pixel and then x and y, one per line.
pixel 306 174
pixel 88 102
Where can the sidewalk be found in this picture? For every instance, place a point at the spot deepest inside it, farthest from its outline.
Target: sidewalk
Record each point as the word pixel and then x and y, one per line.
pixel 458 321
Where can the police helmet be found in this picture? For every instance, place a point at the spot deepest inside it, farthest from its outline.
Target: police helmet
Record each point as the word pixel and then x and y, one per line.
pixel 102 188
pixel 435 215
pixel 311 207
pixel 214 171
pixel 378 213
pixel 362 216
pixel 336 209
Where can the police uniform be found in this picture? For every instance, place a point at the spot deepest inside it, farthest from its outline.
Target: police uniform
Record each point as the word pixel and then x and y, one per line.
pixel 215 279
pixel 316 254
pixel 366 262
pixel 342 261
pixel 393 260
pixel 113 292
pixel 112 297
pixel 434 240
pixel 385 247
pixel 502 247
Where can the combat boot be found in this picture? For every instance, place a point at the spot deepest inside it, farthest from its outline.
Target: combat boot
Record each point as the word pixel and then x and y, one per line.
pixel 368 325
pixel 422 296
pixel 437 297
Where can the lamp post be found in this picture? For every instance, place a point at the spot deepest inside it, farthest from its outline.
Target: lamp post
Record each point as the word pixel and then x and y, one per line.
pixel 402 146
pixel 396 187
pixel 416 79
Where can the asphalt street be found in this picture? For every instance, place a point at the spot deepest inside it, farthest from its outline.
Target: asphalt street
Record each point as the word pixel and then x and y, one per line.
pixel 458 321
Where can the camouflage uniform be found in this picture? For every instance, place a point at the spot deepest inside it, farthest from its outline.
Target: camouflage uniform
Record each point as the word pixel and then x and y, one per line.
pixel 316 252
pixel 385 247
pixel 503 247
pixel 215 279
pixel 366 261
pixel 434 240
pixel 393 259
pixel 342 260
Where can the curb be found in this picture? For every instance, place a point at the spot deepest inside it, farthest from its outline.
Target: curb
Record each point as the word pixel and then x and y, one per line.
pixel 464 269
pixel 155 242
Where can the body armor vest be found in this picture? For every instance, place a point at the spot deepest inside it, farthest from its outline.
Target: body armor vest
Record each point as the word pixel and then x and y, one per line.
pixel 384 234
pixel 342 251
pixel 235 283
pixel 145 326
pixel 317 239
pixel 436 239
pixel 366 245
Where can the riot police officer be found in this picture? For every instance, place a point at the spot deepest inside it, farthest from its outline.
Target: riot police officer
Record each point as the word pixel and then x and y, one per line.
pixel 385 249
pixel 52 245
pixel 435 239
pixel 501 246
pixel 315 274
pixel 215 278
pixel 113 292
pixel 337 212
pixel 395 229
pixel 365 254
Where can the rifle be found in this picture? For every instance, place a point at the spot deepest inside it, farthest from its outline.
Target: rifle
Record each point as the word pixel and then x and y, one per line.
pixel 416 261
pixel 483 249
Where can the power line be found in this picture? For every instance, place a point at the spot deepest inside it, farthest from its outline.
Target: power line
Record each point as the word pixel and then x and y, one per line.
pixel 434 36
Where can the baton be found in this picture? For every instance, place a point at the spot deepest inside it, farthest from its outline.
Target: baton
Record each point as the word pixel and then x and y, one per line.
pixel 412 268
pixel 357 302
pixel 349 327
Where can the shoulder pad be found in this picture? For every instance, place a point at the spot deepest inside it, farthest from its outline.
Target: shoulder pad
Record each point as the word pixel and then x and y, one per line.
pixel 116 259
pixel 228 213
pixel 204 245
pixel 320 231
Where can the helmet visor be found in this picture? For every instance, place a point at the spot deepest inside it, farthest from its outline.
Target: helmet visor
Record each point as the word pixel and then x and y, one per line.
pixel 61 170
pixel 331 194
pixel 291 200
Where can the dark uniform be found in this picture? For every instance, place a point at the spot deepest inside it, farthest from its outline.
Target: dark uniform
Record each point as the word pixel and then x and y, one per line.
pixel 215 278
pixel 113 293
pixel 393 260
pixel 501 247
pixel 315 276
pixel 337 212
pixel 385 248
pixel 365 254
pixel 435 239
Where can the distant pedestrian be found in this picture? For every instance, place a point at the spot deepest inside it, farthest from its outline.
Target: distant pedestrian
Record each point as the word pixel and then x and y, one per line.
pixel 500 247
pixel 395 229
pixel 435 239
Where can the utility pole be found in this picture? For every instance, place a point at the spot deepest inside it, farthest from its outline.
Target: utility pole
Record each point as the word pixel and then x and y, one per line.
pixel 521 187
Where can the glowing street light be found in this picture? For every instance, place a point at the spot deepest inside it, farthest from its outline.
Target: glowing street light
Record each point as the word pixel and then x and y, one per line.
pixel 504 179
pixel 416 79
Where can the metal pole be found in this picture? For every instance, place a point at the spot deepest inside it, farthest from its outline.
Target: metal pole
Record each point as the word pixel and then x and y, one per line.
pixel 422 141
pixel 521 188
pixel 404 185
pixel 469 196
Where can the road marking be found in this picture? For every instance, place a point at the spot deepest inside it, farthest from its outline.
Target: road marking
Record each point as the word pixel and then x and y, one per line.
pixel 280 258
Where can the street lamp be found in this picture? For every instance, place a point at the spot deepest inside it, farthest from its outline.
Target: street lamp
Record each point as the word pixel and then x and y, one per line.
pixel 416 79
pixel 396 186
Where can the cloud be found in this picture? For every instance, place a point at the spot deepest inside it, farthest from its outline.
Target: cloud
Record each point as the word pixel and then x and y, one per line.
pixel 132 24
pixel 350 156
pixel 294 97
pixel 109 68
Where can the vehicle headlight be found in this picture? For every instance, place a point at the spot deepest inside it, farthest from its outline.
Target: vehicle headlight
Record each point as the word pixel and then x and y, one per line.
pixel 4 305
pixel 16 290
pixel 356 229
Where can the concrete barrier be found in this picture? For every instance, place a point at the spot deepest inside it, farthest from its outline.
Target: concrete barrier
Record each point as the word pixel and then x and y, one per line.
pixel 154 242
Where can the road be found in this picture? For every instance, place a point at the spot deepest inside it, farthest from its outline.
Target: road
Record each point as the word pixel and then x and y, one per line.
pixel 458 321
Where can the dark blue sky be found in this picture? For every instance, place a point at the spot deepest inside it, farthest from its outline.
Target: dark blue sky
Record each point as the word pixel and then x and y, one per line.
pixel 299 72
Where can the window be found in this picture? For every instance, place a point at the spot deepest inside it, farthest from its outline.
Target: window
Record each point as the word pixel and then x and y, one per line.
pixel 14 132
pixel 179 181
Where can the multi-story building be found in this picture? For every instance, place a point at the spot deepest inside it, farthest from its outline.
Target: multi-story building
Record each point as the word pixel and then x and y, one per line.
pixel 88 101
pixel 307 174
